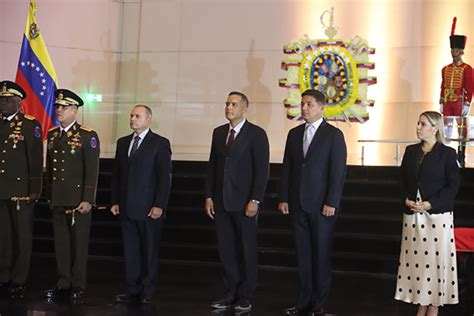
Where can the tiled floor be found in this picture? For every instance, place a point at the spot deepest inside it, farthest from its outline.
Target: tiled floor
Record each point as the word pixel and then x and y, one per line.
pixel 188 290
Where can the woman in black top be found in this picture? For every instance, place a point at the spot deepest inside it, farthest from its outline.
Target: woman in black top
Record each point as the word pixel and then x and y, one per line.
pixel 427 272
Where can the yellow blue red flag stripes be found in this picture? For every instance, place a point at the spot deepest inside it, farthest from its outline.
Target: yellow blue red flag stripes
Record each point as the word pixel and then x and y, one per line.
pixel 36 74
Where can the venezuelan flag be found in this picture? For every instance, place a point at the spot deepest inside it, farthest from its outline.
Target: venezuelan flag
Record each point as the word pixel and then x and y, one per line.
pixel 36 74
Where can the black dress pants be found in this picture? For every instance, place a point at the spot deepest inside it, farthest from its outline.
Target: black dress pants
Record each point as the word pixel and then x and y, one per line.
pixel 313 235
pixel 237 241
pixel 141 240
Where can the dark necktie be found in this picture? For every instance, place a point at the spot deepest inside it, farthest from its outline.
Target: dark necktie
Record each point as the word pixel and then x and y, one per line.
pixel 136 140
pixel 231 139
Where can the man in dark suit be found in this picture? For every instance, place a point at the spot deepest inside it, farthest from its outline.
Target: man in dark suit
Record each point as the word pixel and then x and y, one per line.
pixel 312 180
pixel 141 187
pixel 72 171
pixel 21 173
pixel 237 177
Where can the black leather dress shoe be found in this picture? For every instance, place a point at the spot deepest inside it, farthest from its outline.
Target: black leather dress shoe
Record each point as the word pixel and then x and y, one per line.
pixel 226 303
pixel 243 305
pixel 126 298
pixel 317 311
pixel 294 311
pixel 16 291
pixel 58 293
pixel 77 293
pixel 146 300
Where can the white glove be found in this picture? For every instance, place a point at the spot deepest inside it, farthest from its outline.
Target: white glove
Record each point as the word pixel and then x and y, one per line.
pixel 465 109
pixel 441 108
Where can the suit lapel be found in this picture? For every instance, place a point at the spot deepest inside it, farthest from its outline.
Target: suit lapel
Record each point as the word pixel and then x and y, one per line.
pixel 240 136
pixel 299 140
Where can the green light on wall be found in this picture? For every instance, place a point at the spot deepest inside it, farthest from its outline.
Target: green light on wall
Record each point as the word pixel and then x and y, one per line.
pixel 93 97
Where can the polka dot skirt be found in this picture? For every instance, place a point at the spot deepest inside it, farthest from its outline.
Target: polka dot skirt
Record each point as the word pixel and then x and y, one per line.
pixel 427 271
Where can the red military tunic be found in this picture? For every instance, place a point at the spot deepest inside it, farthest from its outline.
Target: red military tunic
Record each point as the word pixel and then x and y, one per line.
pixel 456 88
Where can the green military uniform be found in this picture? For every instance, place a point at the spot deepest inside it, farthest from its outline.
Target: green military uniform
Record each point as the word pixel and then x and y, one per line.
pixel 21 170
pixel 72 169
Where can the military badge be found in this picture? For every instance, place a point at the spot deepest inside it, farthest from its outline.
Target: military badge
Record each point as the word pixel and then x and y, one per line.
pixel 37 132
pixel 93 143
pixel 16 138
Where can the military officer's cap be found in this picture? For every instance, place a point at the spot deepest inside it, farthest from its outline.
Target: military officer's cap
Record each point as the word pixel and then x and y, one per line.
pixel 456 41
pixel 11 89
pixel 66 97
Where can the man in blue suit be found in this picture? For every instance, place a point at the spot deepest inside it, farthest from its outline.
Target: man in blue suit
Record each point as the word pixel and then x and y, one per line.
pixel 141 186
pixel 314 167
pixel 237 177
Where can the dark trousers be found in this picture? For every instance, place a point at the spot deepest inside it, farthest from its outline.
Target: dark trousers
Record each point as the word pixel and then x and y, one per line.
pixel 16 231
pixel 71 243
pixel 141 239
pixel 313 238
pixel 237 241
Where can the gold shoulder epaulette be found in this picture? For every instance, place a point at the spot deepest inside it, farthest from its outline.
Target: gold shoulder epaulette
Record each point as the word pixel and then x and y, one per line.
pixel 52 129
pixel 86 128
pixel 29 117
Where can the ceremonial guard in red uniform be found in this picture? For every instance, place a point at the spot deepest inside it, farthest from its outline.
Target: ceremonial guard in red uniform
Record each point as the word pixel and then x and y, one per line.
pixel 456 90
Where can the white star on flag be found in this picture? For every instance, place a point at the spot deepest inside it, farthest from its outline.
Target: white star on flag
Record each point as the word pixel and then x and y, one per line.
pixel 37 68
pixel 23 64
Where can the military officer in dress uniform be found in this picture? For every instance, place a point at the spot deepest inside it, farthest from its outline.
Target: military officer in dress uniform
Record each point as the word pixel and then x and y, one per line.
pixel 72 169
pixel 21 170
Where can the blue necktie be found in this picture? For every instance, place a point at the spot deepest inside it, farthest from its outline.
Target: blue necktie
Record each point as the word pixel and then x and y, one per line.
pixel 308 137
pixel 136 140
